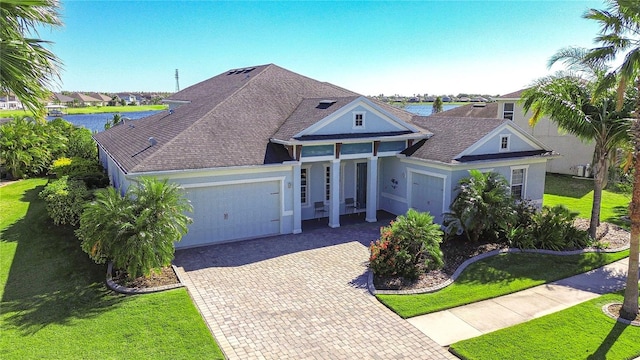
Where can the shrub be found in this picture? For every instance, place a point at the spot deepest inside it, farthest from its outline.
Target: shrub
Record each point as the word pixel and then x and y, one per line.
pixel 550 229
pixel 483 207
pixel 65 199
pixel 88 170
pixel 135 231
pixel 407 247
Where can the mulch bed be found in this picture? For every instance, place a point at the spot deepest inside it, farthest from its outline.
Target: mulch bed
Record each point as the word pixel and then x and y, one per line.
pixel 166 276
pixel 609 236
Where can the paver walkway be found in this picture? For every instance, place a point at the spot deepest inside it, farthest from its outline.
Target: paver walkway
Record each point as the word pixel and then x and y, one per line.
pixel 299 297
pixel 464 322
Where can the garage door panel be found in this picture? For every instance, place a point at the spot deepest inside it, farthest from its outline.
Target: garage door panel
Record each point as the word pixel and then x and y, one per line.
pixel 427 194
pixel 236 211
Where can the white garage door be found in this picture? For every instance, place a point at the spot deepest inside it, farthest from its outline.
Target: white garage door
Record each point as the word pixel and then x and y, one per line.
pixel 232 212
pixel 427 194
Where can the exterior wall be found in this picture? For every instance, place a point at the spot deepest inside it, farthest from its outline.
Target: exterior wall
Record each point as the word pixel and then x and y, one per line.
pixel 373 122
pixel 573 151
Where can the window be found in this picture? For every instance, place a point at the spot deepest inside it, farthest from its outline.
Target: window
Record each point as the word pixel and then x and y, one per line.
pixel 504 142
pixel 358 120
pixel 327 183
pixel 507 112
pixel 304 181
pixel 518 177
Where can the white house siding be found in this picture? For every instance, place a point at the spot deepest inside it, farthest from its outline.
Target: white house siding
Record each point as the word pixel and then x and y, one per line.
pixel 573 151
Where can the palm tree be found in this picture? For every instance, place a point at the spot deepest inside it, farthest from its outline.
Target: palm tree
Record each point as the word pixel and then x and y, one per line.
pixel 135 231
pixel 28 67
pixel 437 106
pixel 567 100
pixel 620 37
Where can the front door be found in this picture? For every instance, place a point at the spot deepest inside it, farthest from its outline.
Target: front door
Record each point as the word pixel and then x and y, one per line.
pixel 361 185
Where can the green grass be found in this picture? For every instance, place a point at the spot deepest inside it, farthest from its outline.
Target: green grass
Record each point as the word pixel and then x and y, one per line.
pixel 91 110
pixel 577 195
pixel 55 305
pixel 496 276
pixel 580 332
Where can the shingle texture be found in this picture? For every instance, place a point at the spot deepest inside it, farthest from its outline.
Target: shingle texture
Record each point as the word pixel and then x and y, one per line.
pixel 490 110
pixel 451 136
pixel 228 122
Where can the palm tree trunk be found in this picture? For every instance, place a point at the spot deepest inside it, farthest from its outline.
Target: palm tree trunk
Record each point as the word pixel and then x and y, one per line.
pixel 630 305
pixel 598 181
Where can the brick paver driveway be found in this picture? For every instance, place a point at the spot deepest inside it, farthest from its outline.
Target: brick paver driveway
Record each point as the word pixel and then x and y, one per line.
pixel 299 297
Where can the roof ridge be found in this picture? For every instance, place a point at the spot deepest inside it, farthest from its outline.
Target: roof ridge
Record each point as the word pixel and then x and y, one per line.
pixel 175 138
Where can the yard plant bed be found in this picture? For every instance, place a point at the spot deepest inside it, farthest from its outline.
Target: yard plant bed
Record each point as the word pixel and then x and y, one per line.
pixel 456 252
pixel 166 276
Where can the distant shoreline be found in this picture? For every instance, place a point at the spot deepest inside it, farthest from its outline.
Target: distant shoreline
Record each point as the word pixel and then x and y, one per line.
pixel 90 110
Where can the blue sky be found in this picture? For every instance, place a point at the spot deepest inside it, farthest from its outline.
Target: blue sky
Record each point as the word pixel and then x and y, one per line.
pixel 371 47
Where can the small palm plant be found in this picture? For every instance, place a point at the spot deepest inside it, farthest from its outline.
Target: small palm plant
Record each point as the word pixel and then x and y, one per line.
pixel 135 231
pixel 483 206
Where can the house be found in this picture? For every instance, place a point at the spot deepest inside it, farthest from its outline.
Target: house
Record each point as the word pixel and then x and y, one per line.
pixel 103 100
pixel 61 99
pixel 10 102
pixel 574 154
pixel 84 99
pixel 129 99
pixel 260 149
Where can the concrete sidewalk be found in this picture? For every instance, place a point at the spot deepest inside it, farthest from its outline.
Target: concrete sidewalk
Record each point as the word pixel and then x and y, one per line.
pixel 464 322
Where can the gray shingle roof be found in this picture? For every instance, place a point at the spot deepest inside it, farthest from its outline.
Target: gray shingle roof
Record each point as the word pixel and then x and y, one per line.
pixel 452 135
pixel 228 122
pixel 490 110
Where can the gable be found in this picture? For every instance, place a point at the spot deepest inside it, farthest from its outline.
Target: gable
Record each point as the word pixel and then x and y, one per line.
pixel 504 139
pixel 359 117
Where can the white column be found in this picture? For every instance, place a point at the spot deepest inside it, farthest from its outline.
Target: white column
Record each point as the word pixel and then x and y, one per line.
pixel 334 202
pixel 297 211
pixel 372 189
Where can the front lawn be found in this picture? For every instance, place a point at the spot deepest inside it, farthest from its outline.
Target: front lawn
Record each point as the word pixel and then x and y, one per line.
pixel 55 304
pixel 580 332
pixel 90 110
pixel 577 195
pixel 496 276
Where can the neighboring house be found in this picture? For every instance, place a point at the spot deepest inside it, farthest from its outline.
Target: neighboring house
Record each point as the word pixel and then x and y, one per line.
pixel 85 100
pixel 574 153
pixel 260 149
pixel 61 99
pixel 102 98
pixel 130 99
pixel 10 102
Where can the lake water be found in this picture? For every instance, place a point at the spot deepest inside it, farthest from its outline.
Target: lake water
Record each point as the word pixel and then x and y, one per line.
pixel 95 122
pixel 426 110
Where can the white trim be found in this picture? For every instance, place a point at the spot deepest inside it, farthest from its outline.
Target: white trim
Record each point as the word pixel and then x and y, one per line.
pixel 473 164
pixel 307 169
pixel 524 178
pixel 368 105
pixel 354 124
pixel 502 137
pixel 516 130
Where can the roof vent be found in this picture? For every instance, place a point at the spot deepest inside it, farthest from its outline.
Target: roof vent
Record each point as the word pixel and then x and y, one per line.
pixel 479 105
pixel 152 141
pixel 323 104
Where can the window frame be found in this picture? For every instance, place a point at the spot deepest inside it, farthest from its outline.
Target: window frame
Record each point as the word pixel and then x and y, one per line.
pixel 523 185
pixel 506 112
pixel 357 114
pixel 304 199
pixel 502 142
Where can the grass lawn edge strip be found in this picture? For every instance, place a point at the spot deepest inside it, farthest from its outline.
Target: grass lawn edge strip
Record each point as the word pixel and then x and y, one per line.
pixel 464 265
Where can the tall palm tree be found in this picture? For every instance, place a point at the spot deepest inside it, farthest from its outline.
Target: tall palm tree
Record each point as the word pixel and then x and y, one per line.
pixel 620 38
pixel 567 100
pixel 28 67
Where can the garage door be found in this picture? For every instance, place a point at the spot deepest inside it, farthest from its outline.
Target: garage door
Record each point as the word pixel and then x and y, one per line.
pixel 426 194
pixel 232 212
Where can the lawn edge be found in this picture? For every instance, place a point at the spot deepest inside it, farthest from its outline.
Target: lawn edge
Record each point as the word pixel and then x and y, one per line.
pixel 464 265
